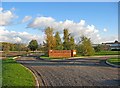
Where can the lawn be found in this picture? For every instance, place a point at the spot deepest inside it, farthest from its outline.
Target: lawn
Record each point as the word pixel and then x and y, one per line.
pixel 0 73
pixel 50 58
pixel 107 53
pixel 102 53
pixel 15 75
pixel 115 60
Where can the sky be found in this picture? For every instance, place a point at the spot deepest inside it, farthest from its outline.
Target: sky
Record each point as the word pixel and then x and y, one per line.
pixel 60 0
pixel 23 21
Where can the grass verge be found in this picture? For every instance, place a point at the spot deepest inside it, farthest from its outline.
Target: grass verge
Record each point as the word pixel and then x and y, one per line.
pixel 102 53
pixel 107 53
pixel 15 75
pixel 52 58
pixel 115 60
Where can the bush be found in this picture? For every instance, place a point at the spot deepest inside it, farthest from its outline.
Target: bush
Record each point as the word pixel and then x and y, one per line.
pixel 85 48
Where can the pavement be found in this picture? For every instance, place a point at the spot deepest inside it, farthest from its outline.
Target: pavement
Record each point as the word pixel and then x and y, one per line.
pixel 91 71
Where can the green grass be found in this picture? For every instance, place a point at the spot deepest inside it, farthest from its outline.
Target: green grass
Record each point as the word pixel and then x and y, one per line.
pixel 14 74
pixel 0 73
pixel 50 58
pixel 115 60
pixel 102 53
pixel 45 57
pixel 107 53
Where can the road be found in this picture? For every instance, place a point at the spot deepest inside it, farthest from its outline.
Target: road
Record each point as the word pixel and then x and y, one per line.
pixel 72 72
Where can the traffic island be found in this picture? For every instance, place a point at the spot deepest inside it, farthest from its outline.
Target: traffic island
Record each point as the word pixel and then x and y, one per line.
pixel 113 61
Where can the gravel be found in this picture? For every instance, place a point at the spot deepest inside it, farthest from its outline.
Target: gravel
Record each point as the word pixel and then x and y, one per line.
pixel 78 72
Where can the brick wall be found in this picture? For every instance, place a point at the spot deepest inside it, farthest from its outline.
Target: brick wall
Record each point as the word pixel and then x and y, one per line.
pixel 61 53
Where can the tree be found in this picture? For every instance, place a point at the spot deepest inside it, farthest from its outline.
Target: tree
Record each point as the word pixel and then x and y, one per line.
pixel 86 46
pixel 66 40
pixel 12 47
pixel 58 41
pixel 98 48
pixel 33 45
pixel 50 39
pixel 6 48
pixel 72 43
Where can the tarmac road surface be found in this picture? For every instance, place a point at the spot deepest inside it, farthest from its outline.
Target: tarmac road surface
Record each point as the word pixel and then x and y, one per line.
pixel 72 72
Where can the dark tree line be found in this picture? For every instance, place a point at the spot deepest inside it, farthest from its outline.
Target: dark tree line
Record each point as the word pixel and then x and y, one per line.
pixel 13 46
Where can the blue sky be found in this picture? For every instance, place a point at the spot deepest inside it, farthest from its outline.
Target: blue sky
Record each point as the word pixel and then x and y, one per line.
pixel 61 1
pixel 103 15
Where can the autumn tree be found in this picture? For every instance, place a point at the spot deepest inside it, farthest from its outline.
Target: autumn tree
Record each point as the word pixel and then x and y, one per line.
pixel 50 39
pixel 33 45
pixel 58 41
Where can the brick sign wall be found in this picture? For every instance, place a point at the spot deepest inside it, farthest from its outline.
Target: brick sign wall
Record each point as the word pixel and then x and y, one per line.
pixel 61 53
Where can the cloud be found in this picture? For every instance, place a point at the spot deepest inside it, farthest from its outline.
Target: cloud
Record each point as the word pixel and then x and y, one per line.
pixel 18 37
pixel 41 22
pixel 76 29
pixel 105 30
pixel 82 22
pixel 25 37
pixel 111 38
pixel 6 17
pixel 13 9
pixel 26 18
pixel 1 9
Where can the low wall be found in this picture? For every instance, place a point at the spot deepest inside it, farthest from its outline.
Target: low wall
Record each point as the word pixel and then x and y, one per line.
pixel 61 53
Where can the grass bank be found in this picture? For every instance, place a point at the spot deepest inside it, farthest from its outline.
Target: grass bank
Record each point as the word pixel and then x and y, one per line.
pixel 107 53
pixel 15 75
pixel 115 60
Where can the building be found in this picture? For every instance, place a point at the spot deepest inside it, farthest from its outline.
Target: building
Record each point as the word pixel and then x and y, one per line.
pixel 112 45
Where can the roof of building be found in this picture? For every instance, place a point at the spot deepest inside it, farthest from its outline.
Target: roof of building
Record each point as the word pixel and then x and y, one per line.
pixel 116 42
